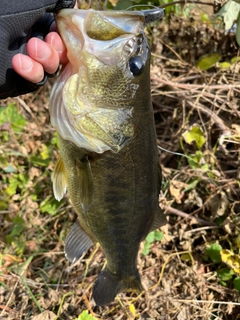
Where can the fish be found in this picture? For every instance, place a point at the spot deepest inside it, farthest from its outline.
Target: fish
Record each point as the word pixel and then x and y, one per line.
pixel 101 108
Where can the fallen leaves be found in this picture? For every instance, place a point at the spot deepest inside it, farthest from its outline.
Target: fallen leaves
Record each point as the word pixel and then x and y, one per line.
pixel 46 315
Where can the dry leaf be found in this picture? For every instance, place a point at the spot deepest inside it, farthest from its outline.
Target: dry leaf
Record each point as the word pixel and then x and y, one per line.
pixel 194 198
pixel 219 204
pixel 182 315
pixel 236 127
pixel 46 315
pixel 176 190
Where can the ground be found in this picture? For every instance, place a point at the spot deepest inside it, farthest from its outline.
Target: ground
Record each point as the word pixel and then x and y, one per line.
pixel 193 272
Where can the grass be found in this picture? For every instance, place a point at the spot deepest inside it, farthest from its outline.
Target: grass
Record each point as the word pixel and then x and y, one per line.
pixel 187 274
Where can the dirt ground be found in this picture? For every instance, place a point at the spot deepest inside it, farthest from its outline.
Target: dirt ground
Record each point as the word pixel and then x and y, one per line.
pixel 200 196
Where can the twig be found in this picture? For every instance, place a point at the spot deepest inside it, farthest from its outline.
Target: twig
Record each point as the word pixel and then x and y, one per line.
pixel 186 2
pixel 61 303
pixel 24 105
pixel 166 262
pixel 176 54
pixel 218 121
pixel 31 293
pixel 89 306
pixel 201 229
pixel 207 301
pixel 188 216
pixel 190 87
pixel 7 309
pixel 5 211
pixel 9 299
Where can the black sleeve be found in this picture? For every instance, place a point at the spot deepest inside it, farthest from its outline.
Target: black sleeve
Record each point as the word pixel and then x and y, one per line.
pixel 19 21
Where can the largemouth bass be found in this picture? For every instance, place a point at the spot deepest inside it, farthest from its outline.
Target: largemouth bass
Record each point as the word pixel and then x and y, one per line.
pixel 101 108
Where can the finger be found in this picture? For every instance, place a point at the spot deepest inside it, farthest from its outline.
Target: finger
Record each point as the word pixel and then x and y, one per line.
pixel 56 42
pixel 43 53
pixel 28 68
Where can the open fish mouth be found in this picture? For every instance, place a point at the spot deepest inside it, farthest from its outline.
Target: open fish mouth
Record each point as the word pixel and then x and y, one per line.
pixel 93 100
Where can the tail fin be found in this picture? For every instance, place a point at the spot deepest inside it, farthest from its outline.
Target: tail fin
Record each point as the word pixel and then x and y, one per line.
pixel 108 286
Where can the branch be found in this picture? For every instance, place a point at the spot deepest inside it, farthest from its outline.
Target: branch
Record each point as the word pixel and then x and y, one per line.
pixel 186 2
pixel 188 216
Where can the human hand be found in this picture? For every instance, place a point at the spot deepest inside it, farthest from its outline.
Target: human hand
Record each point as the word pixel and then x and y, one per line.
pixel 20 24
pixel 43 57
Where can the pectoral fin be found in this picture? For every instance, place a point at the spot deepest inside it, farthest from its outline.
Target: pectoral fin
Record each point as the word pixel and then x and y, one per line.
pixel 59 179
pixel 84 176
pixel 77 242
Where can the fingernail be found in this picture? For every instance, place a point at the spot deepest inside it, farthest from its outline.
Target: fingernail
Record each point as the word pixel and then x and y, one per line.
pixel 57 45
pixel 25 63
pixel 42 52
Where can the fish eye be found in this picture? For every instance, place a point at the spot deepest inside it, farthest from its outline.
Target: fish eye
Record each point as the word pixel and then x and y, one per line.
pixel 136 65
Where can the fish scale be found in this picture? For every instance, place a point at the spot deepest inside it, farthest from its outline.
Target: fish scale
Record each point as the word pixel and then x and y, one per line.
pixel 108 161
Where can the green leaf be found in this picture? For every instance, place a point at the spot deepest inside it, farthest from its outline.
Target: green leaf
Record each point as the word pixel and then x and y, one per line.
pixel 123 5
pixel 225 274
pixel 195 134
pixel 18 226
pixel 237 241
pixel 238 29
pixel 85 316
pixel 204 17
pixel 3 204
pixel 13 184
pixel 37 161
pixel 146 248
pixel 158 235
pixel 213 252
pixel 185 257
pixel 9 169
pixel 208 61
pixel 151 237
pixel 54 140
pixel 50 205
pixel 193 162
pixel 220 220
pixel 224 65
pixel 229 12
pixel 205 167
pixel 192 185
pixel 11 114
pixel 17 181
pixel 235 59
pixel 44 154
pixel 236 283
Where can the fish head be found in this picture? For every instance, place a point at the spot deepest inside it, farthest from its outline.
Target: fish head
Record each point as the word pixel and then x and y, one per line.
pixel 108 71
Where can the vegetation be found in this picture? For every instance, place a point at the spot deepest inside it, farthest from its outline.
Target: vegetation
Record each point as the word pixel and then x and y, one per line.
pixel 191 268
